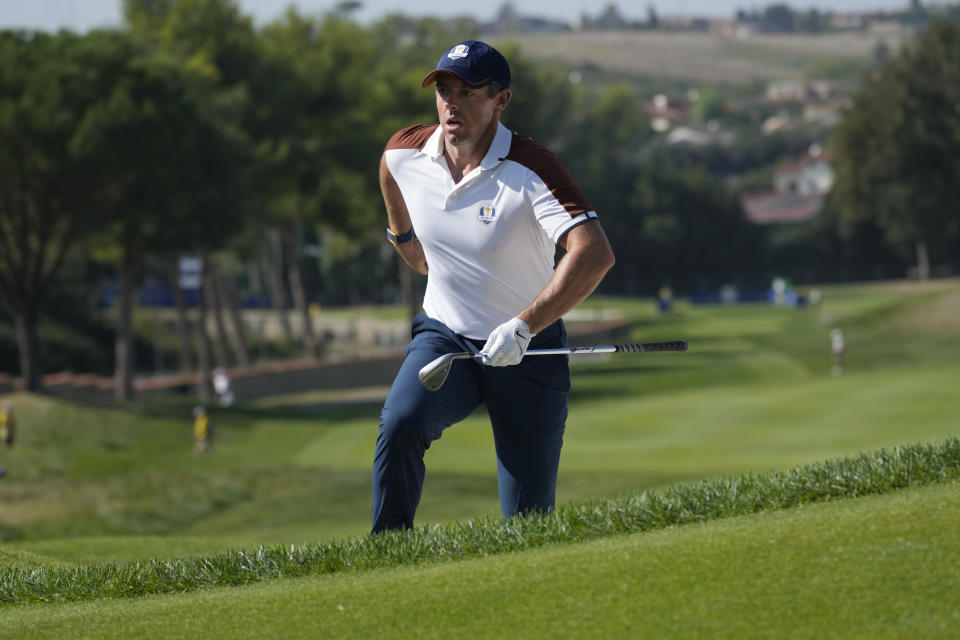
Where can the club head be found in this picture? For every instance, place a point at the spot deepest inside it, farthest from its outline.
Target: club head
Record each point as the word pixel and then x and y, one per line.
pixel 433 375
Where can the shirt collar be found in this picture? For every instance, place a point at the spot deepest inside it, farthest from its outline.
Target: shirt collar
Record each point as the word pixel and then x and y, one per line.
pixel 434 145
pixel 498 150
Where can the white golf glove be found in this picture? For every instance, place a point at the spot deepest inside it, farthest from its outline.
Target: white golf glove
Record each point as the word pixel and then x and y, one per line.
pixel 507 343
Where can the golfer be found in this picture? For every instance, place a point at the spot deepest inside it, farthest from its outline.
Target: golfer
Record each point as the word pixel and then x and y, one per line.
pixel 479 210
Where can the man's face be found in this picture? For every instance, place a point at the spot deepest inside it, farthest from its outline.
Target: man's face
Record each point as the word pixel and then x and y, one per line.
pixel 465 113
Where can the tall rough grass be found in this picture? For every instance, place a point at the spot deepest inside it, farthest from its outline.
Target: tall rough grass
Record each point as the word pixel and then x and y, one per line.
pixel 868 473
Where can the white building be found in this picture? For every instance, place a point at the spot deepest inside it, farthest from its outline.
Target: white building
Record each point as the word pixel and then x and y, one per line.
pixel 811 175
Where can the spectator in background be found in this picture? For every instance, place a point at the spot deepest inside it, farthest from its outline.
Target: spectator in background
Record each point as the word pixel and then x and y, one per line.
pixel 815 297
pixel 665 298
pixel 7 425
pixel 221 385
pixel 202 431
pixel 837 346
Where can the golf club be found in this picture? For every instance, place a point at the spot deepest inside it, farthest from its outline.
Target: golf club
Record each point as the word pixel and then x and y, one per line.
pixel 433 375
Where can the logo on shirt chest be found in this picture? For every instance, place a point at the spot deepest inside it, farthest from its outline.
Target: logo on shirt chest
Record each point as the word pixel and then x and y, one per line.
pixel 487 215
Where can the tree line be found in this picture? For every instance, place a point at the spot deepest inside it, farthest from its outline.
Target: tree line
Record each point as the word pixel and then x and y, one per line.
pixel 192 131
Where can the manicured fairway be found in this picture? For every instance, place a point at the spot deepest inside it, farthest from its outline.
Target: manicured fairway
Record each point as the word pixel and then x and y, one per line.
pixel 875 567
pixel 614 445
pixel 753 393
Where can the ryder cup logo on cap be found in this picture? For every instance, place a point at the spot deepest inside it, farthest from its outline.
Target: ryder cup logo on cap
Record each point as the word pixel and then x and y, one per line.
pixel 474 63
pixel 459 51
pixel 487 215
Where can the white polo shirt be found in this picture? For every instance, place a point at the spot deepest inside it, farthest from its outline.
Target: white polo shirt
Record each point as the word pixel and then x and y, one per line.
pixel 489 240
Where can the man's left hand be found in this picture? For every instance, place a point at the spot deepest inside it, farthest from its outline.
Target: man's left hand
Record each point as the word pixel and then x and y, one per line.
pixel 507 343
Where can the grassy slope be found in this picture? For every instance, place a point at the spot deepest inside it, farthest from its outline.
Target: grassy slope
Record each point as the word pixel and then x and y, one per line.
pixel 700 56
pixel 753 393
pixel 876 567
pixel 611 446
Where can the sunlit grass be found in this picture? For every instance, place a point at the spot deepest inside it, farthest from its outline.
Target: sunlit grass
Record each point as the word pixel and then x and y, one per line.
pixel 754 393
pixel 866 474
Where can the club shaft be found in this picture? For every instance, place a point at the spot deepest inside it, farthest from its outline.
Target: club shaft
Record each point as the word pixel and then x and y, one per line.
pixel 433 375
pixel 571 350
pixel 642 347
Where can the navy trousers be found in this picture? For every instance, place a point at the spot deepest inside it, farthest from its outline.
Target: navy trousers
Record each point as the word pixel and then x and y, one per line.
pixel 527 404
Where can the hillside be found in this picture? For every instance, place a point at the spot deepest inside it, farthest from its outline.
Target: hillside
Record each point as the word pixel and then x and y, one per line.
pixel 701 56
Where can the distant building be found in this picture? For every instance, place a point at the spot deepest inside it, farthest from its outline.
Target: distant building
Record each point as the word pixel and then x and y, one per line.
pixel 799 188
pixel 775 208
pixel 821 101
pixel 803 91
pixel 824 90
pixel 701 136
pixel 665 111
pixel 786 91
pixel 776 124
pixel 826 115
pixel 809 175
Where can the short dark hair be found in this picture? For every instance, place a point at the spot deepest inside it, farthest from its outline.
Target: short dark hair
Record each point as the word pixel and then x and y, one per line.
pixel 493 88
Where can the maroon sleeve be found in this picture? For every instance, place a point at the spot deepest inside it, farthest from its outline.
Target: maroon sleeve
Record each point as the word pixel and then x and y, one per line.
pixel 412 137
pixel 524 150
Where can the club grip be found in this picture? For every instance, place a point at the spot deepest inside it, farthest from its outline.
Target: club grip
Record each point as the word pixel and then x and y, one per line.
pixel 674 345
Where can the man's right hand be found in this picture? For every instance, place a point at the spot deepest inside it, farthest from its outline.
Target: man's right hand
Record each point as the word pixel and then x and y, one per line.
pixel 507 344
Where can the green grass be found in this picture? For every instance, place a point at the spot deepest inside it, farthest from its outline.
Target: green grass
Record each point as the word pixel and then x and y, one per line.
pixel 92 491
pixel 878 567
pixel 878 472
pixel 296 479
pixel 753 394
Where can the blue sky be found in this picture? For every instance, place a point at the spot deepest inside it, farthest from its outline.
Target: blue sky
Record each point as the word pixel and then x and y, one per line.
pixel 83 14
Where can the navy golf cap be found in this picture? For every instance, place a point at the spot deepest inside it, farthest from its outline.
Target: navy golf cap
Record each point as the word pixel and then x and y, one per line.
pixel 474 63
